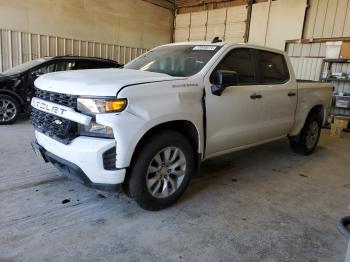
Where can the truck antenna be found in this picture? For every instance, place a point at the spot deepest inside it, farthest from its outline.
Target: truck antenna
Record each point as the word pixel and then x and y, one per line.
pixel 216 40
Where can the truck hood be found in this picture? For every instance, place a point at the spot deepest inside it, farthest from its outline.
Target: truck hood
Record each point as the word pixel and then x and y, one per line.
pixel 97 82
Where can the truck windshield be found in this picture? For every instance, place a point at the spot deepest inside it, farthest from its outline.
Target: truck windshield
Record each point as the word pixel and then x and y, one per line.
pixel 23 67
pixel 176 60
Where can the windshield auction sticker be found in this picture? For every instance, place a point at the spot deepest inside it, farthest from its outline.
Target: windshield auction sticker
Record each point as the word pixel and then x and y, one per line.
pixel 204 47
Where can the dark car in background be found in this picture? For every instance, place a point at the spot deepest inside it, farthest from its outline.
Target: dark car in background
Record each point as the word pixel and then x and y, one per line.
pixel 17 83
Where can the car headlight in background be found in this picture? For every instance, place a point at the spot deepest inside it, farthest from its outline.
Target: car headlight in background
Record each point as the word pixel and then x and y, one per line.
pixel 101 105
pixel 93 106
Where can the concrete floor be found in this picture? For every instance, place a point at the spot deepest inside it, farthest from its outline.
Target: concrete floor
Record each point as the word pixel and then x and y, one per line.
pixel 261 204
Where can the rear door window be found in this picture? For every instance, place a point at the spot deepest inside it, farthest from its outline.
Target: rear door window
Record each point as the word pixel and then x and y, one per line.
pixel 107 65
pixel 65 66
pixel 87 65
pixel 273 68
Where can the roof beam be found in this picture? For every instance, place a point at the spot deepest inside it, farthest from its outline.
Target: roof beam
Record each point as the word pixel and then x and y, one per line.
pixel 168 4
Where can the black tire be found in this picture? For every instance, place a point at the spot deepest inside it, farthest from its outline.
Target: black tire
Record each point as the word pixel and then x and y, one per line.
pixel 11 101
pixel 302 145
pixel 138 173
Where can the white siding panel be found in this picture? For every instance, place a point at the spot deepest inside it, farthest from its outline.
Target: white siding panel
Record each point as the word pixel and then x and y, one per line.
pixel 346 31
pixel 285 22
pixel 297 50
pixel 327 18
pixel 226 23
pixel 310 19
pixel 199 19
pixel 271 25
pixel 183 20
pixel 338 26
pixel 216 23
pixel 320 18
pixel 258 23
pixel 318 68
pixel 198 33
pixel 315 49
pixel 330 18
pixel 303 70
pixel 290 48
pixel 198 27
pixel 182 34
pixel 19 47
pixel 305 50
pixel 307 68
pixel 237 14
pixel 313 69
pixel 217 16
pixel 235 31
pixel 322 50
pixel 215 30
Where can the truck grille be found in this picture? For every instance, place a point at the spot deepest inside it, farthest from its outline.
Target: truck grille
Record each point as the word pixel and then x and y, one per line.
pixel 53 126
pixel 61 99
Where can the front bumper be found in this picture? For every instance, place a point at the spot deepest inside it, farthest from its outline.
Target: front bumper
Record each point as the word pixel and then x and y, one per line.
pixel 82 158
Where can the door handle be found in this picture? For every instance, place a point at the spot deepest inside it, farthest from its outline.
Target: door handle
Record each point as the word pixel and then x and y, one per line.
pixel 255 96
pixel 291 94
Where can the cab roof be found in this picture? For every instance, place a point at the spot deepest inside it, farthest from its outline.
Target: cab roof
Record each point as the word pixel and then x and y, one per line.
pixel 225 43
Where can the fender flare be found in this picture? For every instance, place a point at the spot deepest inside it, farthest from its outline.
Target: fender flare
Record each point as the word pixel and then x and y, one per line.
pixel 14 94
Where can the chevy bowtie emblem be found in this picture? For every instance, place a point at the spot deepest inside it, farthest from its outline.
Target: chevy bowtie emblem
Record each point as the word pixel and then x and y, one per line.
pixel 58 122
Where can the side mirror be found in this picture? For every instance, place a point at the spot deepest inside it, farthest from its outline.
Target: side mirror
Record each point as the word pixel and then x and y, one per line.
pixel 224 78
pixel 35 74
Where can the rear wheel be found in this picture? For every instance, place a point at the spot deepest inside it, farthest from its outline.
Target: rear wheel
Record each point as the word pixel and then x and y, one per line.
pixel 309 136
pixel 9 109
pixel 161 171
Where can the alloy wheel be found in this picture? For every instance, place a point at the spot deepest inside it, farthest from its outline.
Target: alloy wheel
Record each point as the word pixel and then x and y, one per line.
pixel 312 134
pixel 7 110
pixel 166 172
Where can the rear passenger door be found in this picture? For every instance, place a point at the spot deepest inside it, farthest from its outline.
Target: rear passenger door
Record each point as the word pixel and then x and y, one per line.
pixel 279 94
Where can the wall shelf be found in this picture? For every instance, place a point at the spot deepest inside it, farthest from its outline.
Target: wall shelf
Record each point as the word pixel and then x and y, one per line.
pixel 335 79
pixel 341 85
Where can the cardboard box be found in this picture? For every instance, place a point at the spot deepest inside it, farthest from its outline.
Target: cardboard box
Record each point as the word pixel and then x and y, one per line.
pixel 336 131
pixel 338 49
pixel 345 50
pixel 342 122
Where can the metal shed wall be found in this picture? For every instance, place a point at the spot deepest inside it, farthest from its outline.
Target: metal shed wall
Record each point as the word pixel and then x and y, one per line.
pixel 307 63
pixel 19 47
pixel 327 18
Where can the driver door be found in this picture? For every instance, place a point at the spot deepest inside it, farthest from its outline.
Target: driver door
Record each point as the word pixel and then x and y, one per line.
pixel 234 118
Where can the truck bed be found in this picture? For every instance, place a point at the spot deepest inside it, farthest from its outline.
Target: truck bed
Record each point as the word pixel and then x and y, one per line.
pixel 312 93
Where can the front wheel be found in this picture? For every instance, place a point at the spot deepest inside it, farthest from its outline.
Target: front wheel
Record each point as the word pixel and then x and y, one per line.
pixel 161 170
pixel 9 109
pixel 309 136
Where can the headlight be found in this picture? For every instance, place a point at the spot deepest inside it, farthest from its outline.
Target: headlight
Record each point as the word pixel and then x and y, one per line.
pixel 96 130
pixel 101 105
pixel 94 106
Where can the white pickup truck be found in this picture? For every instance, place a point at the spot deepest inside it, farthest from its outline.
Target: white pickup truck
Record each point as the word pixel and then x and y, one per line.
pixel 149 125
